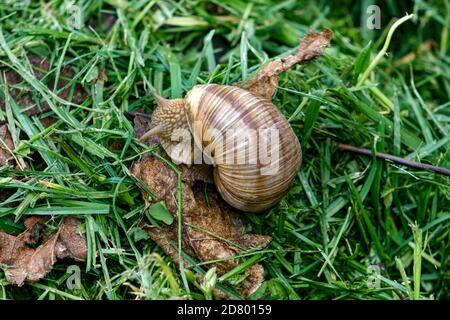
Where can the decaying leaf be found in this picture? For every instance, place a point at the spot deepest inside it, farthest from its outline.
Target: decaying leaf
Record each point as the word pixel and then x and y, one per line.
pixel 141 122
pixel 23 263
pixel 211 229
pixel 265 82
pixel 34 225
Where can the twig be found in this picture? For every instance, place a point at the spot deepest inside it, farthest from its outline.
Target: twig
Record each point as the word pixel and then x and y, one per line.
pixel 405 162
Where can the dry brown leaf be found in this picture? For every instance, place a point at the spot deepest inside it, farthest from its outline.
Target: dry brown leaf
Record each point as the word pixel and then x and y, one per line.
pixel 23 263
pixel 142 122
pixel 265 82
pixel 71 244
pixel 34 225
pixel 211 229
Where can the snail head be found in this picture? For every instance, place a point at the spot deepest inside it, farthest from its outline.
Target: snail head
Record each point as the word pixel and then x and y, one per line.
pixel 168 116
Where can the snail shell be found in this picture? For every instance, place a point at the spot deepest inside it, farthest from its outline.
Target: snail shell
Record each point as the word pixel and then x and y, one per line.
pixel 255 152
pixel 244 186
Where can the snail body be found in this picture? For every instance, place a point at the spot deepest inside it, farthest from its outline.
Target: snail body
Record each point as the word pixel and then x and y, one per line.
pixel 252 147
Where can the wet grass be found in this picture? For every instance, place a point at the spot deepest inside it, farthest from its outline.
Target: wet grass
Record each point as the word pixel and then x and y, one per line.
pixel 347 219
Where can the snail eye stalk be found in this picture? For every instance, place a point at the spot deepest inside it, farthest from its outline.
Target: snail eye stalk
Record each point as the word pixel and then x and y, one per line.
pixel 152 132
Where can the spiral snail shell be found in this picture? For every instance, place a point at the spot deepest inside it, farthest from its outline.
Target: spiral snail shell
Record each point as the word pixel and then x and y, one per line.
pixel 252 147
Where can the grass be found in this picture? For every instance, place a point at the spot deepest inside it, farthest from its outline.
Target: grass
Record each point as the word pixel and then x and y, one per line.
pixel 345 216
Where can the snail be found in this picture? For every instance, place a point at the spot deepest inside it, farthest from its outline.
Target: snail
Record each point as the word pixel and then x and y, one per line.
pixel 229 122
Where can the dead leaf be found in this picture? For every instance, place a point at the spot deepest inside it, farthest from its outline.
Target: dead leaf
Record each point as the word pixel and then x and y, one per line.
pixel 23 263
pixel 71 244
pixel 34 225
pixel 142 122
pixel 211 229
pixel 265 82
pixel 198 172
pixel 255 276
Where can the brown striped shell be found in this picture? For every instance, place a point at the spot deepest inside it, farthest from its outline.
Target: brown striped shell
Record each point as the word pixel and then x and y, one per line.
pixel 250 182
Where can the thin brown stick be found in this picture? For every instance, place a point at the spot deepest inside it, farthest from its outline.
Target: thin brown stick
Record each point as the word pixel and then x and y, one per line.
pixel 386 156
